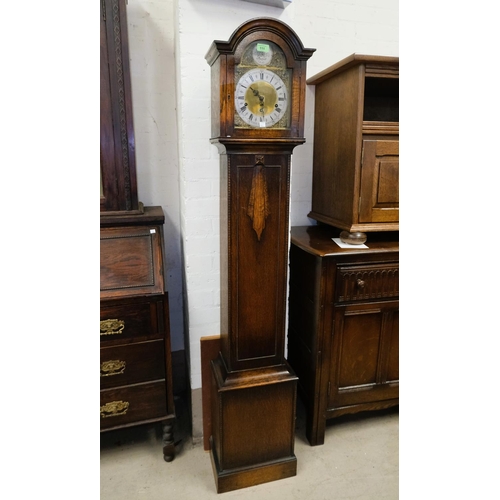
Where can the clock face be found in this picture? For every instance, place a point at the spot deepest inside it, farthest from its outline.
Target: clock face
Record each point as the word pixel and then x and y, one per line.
pixel 261 98
pixel 262 87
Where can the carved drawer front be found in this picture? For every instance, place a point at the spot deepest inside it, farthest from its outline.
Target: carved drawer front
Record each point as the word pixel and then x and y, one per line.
pixel 132 363
pixel 128 320
pixel 133 404
pixel 367 282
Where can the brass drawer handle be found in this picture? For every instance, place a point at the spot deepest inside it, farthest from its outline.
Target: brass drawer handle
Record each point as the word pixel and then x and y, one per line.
pixel 112 326
pixel 360 283
pixel 112 367
pixel 114 409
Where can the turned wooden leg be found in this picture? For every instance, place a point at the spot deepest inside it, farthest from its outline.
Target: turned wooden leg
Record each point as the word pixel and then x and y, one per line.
pixel 168 441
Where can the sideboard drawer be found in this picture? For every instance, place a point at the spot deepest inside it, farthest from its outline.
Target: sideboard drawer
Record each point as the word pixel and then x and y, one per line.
pixel 132 404
pixel 367 282
pixel 132 363
pixel 128 319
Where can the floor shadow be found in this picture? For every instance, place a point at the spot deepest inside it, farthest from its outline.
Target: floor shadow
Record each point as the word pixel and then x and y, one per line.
pixel 300 422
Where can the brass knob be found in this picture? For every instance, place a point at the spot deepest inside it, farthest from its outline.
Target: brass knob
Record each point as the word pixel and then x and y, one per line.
pixel 360 283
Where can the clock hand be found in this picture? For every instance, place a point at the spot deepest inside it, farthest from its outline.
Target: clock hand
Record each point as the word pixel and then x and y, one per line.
pixel 257 94
pixel 261 99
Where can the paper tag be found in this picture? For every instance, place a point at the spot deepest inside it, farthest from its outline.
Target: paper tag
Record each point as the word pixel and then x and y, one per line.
pixel 263 47
pixel 152 231
pixel 262 124
pixel 341 244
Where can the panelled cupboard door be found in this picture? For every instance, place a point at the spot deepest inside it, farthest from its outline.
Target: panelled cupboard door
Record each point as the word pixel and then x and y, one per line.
pixel 379 193
pixel 364 365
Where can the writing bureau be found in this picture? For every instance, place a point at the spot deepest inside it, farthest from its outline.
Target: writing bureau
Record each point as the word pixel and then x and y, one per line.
pixel 136 366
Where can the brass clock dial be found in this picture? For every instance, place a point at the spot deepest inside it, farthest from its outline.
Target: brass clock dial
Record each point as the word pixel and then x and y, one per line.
pixel 261 98
pixel 262 79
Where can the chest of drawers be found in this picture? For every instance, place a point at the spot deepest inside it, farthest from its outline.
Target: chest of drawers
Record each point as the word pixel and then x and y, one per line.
pixel 343 337
pixel 136 368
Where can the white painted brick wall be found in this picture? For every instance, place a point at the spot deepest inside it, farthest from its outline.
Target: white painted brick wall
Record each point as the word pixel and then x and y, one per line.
pixel 151 29
pixel 182 172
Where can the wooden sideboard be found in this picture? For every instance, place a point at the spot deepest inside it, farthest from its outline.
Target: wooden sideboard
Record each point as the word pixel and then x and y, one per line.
pixel 136 363
pixel 343 336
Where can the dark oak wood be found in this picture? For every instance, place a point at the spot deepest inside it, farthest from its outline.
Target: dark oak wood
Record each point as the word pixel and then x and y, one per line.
pixel 136 363
pixel 132 363
pixel 224 55
pixel 209 350
pixel 356 144
pixel 255 264
pixel 149 215
pixel 253 389
pixel 253 425
pixel 138 403
pixel 144 321
pixel 343 336
pixel 118 170
pixel 131 261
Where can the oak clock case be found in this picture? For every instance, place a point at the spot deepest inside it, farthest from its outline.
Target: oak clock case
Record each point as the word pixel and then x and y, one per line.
pixel 136 368
pixel 258 97
pixel 261 57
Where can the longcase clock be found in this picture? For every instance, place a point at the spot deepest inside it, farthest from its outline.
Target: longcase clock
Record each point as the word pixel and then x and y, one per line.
pixel 258 101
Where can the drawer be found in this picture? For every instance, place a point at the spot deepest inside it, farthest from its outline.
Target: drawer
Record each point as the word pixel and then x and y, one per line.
pixel 367 282
pixel 133 404
pixel 132 363
pixel 132 319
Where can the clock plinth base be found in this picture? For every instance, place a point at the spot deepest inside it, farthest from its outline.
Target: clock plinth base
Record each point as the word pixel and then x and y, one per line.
pixel 253 426
pixel 251 476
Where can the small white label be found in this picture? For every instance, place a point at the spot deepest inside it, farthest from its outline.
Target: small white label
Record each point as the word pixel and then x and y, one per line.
pixel 262 124
pixel 341 244
pixel 152 231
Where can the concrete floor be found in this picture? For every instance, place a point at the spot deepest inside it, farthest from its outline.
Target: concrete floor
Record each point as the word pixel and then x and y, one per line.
pixel 359 460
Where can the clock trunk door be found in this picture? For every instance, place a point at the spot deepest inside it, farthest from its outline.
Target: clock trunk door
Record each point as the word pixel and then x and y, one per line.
pixel 379 190
pixel 257 258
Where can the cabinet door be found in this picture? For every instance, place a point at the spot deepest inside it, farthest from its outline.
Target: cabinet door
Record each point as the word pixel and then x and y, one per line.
pixel 365 358
pixel 379 181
